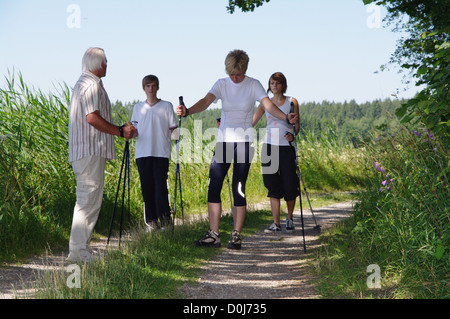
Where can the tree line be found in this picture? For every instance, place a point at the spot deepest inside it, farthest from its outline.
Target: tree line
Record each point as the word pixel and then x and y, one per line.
pixel 347 119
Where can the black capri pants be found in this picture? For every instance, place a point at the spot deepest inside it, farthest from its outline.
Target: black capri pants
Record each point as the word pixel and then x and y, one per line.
pixel 280 171
pixel 241 154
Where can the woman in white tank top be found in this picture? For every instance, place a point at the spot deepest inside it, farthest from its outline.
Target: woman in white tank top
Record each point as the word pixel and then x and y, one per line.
pixel 278 153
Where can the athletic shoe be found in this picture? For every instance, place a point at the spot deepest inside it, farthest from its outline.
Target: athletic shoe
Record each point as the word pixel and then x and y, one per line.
pixel 83 256
pixel 152 226
pixel 166 224
pixel 209 240
pixel 290 225
pixel 235 240
pixel 273 228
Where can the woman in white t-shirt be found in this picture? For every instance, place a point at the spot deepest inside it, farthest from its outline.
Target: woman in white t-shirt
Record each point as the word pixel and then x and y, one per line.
pixel 155 120
pixel 278 158
pixel 234 143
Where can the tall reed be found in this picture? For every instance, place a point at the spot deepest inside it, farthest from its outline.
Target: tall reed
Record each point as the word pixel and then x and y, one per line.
pixel 34 167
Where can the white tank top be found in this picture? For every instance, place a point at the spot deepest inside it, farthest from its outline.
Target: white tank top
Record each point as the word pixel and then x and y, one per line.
pixel 276 128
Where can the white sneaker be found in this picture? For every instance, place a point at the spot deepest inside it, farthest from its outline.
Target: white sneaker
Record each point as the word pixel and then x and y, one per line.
pixel 290 225
pixel 152 227
pixel 82 256
pixel 273 228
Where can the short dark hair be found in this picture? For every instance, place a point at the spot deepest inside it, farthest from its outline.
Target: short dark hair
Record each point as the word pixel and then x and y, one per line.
pixel 150 79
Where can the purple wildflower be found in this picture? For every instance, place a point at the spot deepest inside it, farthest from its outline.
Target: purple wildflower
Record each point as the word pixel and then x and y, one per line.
pixel 378 167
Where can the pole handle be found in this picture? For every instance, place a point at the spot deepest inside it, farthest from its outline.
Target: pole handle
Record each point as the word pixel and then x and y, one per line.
pixel 292 111
pixel 181 103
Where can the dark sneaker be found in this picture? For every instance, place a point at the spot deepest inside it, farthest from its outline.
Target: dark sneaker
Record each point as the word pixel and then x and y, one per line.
pixel 290 225
pixel 209 240
pixel 235 240
pixel 273 228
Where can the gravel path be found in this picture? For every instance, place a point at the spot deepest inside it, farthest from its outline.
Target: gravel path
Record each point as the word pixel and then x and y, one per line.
pixel 269 266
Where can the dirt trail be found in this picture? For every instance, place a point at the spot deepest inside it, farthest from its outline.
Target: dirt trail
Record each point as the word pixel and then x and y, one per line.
pixel 269 266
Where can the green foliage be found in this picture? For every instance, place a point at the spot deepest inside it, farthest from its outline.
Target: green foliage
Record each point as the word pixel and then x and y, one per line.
pixel 408 221
pixel 426 54
pixel 401 222
pixel 349 119
pixel 431 105
pixel 34 167
pixel 244 5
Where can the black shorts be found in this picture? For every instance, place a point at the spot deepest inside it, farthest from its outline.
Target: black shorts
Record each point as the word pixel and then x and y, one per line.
pixel 241 155
pixel 280 171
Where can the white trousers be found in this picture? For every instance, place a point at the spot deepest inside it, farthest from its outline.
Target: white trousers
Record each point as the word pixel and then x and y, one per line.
pixel 90 174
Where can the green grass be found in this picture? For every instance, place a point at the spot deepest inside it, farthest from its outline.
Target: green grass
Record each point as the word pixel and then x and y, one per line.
pixel 401 223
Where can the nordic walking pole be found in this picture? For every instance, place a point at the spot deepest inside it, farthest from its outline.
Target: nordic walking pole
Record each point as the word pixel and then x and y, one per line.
pixel 299 187
pixel 317 227
pixel 127 158
pixel 117 193
pixel 178 174
pixel 128 166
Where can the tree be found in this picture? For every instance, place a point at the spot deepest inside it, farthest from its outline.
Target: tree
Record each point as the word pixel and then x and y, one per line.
pixel 426 54
pixel 244 5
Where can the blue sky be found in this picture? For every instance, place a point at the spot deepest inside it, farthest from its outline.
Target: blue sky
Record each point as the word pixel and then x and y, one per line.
pixel 328 49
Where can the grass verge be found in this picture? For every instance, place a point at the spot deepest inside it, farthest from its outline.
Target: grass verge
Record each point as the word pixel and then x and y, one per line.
pixel 401 225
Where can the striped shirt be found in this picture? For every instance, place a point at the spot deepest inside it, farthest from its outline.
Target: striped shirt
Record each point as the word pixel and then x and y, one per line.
pixel 85 140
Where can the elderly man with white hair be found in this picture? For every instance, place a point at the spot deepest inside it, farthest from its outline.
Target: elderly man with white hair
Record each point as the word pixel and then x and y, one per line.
pixel 91 144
